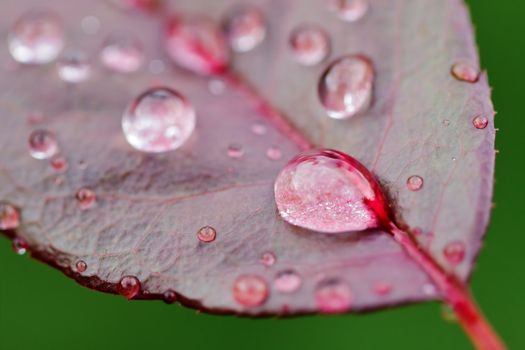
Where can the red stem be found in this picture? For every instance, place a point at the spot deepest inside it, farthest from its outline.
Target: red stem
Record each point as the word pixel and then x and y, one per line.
pixel 454 292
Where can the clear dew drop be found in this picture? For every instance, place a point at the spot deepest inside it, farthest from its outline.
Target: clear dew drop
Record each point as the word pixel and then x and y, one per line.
pixel 480 122
pixel 59 163
pixel 9 216
pixel 207 234
pixel 274 153
pixel 415 183
pixel 235 151
pixel 73 67
pixel 159 120
pixel 86 198
pixel 37 37
pixel 287 281
pixel 250 290
pixel 454 252
pixel 309 45
pixel 169 296
pixel 333 296
pixel 20 246
pixel 122 53
pixel 465 72
pixel 81 266
pixel 268 259
pixel 42 144
pixel 129 287
pixel 349 10
pixel 197 44
pixel 245 28
pixel 329 191
pixel 345 88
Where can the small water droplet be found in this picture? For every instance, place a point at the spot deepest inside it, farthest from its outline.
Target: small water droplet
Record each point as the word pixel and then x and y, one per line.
pixel 9 216
pixel 216 86
pixel 345 88
pixel 465 72
pixel 86 198
pixel 122 53
pixel 37 37
pixel 169 296
pixel 429 289
pixel 333 296
pixel 245 28
pixel 329 191
pixel 267 259
pixel 349 10
pixel 59 163
pixel 157 66
pixel 287 281
pixel 259 128
pixel 309 45
pixel 454 252
pixel 42 144
pixel 480 122
pixel 159 120
pixel 20 246
pixel 129 287
pixel 235 151
pixel 197 44
pixel 81 266
pixel 274 153
pixel 90 25
pixel 415 183
pixel 206 234
pixel 73 67
pixel 250 290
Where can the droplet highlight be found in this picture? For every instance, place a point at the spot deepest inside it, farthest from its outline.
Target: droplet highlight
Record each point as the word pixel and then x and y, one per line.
pixel 333 296
pixel 207 234
pixel 20 246
pixel 250 290
pixel 465 72
pixel 349 10
pixel 129 287
pixel 9 216
pixel 415 183
pixel 235 151
pixel 287 281
pixel 245 28
pixel 86 198
pixel 122 53
pixel 73 67
pixel 274 153
pixel 42 144
pixel 309 45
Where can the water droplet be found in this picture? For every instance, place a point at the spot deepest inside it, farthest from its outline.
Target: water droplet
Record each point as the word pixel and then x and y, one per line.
pixel 267 259
pixel 9 216
pixel 159 120
pixel 235 151
pixel 20 246
pixel 42 144
pixel 216 86
pixel 59 163
pixel 329 191
pixel 73 67
pixel 157 66
pixel 86 198
pixel 345 88
pixel 37 37
pixel 333 296
pixel 309 45
pixel 382 288
pixel 349 10
pixel 245 28
pixel 480 122
pixel 429 289
pixel 81 266
pixel 465 72
pixel 122 53
pixel 129 287
pixel 454 252
pixel 169 296
pixel 274 153
pixel 250 290
pixel 206 234
pixel 259 128
pixel 90 25
pixel 197 44
pixel 415 183
pixel 287 281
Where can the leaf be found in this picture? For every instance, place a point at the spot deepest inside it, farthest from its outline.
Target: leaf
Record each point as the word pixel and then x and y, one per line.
pixel 149 208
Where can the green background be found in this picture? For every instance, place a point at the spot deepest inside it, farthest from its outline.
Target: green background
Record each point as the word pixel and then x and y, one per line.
pixel 41 309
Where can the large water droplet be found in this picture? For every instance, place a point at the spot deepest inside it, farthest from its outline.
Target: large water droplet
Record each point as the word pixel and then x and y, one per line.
pixel 345 88
pixel 415 183
pixel 86 198
pixel 287 281
pixel 37 37
pixel 309 45
pixel 42 144
pixel 480 122
pixel 454 252
pixel 20 246
pixel 206 234
pixel 73 67
pixel 9 216
pixel 159 120
pixel 329 191
pixel 250 290
pixel 465 72
pixel 197 44
pixel 122 53
pixel 129 287
pixel 333 296
pixel 349 10
pixel 245 28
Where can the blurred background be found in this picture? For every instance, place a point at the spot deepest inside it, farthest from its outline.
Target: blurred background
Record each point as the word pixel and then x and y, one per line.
pixel 41 309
